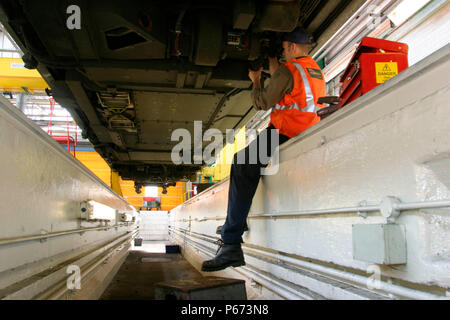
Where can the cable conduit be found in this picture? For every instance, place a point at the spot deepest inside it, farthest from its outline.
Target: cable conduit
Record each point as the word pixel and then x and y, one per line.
pixel 55 234
pixel 61 288
pixel 374 208
pixel 282 260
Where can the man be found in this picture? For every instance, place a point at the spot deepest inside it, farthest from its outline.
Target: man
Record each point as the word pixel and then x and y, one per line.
pixel 292 94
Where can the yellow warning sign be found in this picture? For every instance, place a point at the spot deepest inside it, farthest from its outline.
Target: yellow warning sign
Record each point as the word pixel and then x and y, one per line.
pixel 385 70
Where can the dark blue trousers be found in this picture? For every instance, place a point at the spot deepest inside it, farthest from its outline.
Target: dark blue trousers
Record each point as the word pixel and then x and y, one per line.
pixel 244 179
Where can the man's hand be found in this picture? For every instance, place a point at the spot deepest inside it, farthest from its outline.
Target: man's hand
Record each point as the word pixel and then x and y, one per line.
pixel 273 65
pixel 255 76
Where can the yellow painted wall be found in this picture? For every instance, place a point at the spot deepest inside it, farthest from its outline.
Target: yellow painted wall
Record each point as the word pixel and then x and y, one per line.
pixel 94 162
pixel 174 196
pixel 221 169
pixel 130 195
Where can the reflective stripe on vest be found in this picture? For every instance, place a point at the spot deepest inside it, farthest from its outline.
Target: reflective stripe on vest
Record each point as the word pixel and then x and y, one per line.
pixel 310 105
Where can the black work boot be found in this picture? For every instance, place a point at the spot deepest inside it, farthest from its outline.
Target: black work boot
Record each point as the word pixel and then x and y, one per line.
pixel 228 255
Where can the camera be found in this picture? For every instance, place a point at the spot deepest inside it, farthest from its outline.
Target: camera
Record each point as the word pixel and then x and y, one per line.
pixel 269 47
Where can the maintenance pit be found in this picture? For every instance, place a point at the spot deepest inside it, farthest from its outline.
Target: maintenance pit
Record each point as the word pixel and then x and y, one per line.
pixel 136 278
pixel 358 208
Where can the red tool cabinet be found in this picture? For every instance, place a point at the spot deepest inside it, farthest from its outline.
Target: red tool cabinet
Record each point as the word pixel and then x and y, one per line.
pixel 374 62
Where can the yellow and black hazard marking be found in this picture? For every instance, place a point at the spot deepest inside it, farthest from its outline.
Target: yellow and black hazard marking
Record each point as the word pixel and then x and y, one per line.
pixel 385 71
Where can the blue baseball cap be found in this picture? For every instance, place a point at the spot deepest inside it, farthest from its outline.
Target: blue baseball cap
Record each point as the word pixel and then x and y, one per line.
pixel 299 35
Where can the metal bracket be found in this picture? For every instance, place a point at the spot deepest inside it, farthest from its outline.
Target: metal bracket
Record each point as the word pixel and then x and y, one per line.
pixel 388 208
pixel 43 232
pixel 363 214
pixel 256 285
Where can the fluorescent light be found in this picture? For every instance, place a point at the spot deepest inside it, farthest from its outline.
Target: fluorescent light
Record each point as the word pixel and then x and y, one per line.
pixel 405 10
pixel 151 191
pixel 92 210
pixel 125 217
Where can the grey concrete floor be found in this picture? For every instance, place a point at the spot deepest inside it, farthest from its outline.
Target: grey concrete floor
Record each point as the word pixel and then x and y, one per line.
pixel 143 268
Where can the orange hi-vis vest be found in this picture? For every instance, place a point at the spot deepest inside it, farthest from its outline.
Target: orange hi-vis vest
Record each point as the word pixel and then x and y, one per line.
pixel 296 111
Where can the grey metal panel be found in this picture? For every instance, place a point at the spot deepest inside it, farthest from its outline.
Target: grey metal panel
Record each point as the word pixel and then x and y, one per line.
pixel 379 243
pixel 157 135
pixel 233 111
pixel 159 114
pixel 150 156
pixel 137 76
pixel 175 107
pixel 154 225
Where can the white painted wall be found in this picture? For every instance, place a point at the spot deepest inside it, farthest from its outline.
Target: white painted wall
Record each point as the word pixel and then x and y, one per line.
pixel 41 189
pixel 153 225
pixel 393 141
